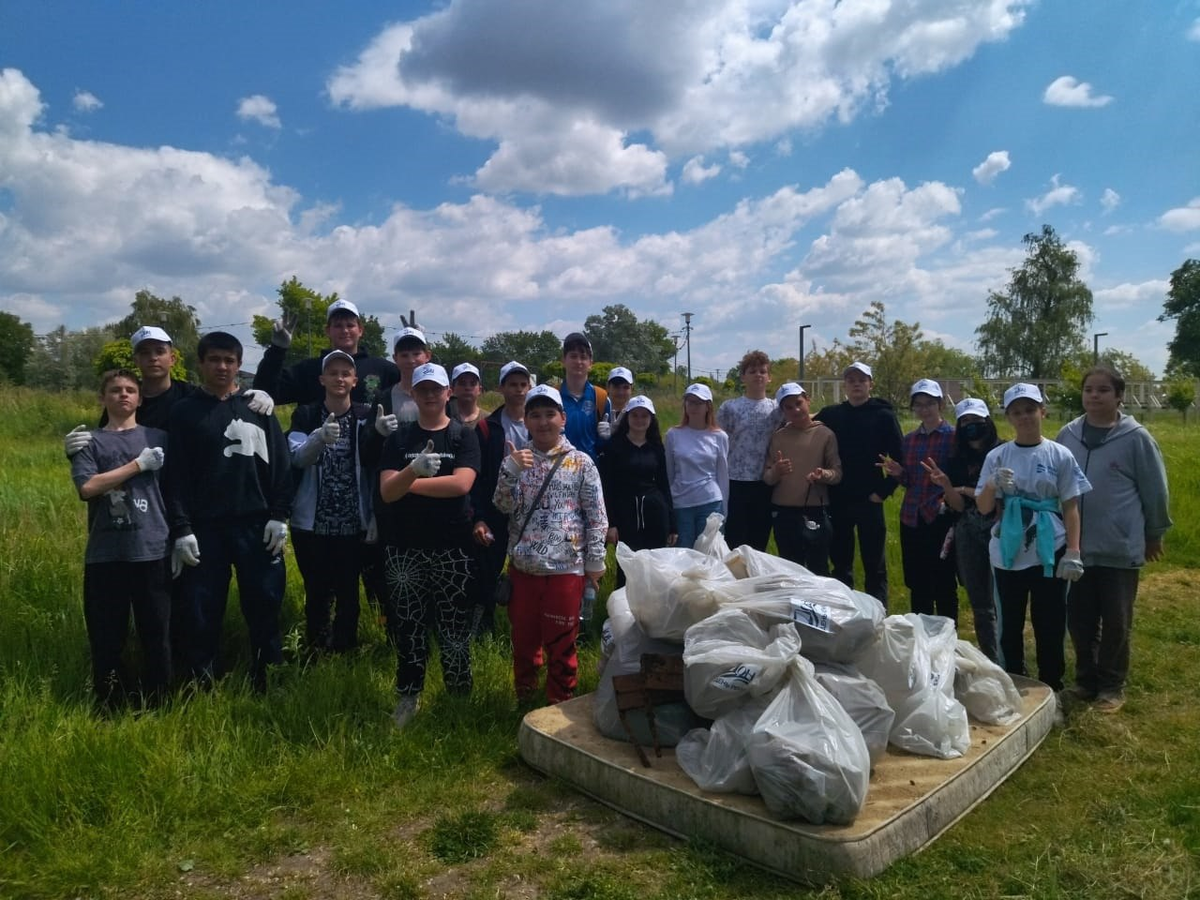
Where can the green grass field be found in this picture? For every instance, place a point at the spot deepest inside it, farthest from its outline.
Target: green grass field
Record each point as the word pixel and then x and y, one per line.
pixel 311 793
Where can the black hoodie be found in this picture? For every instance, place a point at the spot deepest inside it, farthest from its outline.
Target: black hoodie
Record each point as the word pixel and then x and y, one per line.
pixel 863 433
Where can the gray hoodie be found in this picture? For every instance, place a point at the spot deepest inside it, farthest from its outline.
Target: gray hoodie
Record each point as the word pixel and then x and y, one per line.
pixel 1128 503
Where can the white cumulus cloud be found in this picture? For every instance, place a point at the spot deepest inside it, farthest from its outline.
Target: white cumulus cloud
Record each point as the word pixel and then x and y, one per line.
pixel 1110 200
pixel 996 162
pixel 1058 195
pixel 1193 33
pixel 86 101
pixel 1183 218
pixel 1070 91
pixel 694 170
pixel 260 109
pixel 738 159
pixel 686 79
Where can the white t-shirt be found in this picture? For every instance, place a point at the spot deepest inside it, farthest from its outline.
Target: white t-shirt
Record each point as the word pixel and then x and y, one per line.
pixel 1042 471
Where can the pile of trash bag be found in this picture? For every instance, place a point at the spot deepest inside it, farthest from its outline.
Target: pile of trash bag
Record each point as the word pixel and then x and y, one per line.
pixel 795 684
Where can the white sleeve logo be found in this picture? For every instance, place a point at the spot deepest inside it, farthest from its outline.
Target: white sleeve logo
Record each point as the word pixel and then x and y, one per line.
pixel 248 439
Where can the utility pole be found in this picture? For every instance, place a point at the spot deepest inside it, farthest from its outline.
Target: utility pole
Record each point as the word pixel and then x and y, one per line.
pixel 802 328
pixel 687 331
pixel 1096 346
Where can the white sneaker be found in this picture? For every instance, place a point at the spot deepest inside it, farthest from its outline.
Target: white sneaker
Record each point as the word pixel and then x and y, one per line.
pixel 405 709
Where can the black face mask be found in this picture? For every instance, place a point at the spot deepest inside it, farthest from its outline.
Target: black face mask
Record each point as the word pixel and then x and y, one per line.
pixel 974 431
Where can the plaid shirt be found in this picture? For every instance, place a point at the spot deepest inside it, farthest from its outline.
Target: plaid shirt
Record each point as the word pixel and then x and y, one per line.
pixel 922 497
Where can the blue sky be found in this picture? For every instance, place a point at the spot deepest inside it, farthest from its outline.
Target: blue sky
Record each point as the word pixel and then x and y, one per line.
pixel 503 165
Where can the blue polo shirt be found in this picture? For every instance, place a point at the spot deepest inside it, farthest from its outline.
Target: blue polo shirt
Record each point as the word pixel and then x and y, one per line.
pixel 581 419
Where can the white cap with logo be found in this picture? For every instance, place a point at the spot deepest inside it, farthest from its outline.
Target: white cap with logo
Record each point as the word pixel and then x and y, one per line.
pixel 1023 391
pixel 790 389
pixel 545 392
pixel 641 401
pixel 341 306
pixel 703 391
pixel 430 372
pixel 620 373
pixel 334 355
pixel 409 334
pixel 926 386
pixel 464 369
pixel 858 366
pixel 972 406
pixel 149 333
pixel 509 367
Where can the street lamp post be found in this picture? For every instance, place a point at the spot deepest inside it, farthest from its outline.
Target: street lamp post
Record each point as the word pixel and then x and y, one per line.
pixel 802 327
pixel 687 332
pixel 1096 346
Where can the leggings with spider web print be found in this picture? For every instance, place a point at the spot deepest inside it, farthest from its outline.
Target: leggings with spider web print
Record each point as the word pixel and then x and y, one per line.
pixel 429 588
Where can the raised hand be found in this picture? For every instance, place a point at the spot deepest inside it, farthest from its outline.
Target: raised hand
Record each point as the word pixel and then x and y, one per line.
pixel 936 475
pixel 330 431
pixel 890 466
pixel 385 424
pixel 77 438
pixel 283 328
pixel 150 459
pixel 782 465
pixel 426 463
pixel 523 459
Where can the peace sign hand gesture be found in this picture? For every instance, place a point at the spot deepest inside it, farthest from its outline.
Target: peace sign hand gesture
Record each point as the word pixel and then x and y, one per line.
pixel 936 475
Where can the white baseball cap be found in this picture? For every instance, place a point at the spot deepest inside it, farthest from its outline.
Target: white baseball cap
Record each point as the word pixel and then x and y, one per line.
pixel 622 373
pixel 149 333
pixel 703 391
pixel 926 386
pixel 338 354
pixel 430 372
pixel 790 389
pixel 341 306
pixel 509 367
pixel 547 392
pixel 972 406
pixel 407 334
pixel 641 401
pixel 464 369
pixel 1023 390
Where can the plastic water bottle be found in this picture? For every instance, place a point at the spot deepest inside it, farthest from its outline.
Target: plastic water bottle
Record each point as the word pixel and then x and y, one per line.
pixel 589 601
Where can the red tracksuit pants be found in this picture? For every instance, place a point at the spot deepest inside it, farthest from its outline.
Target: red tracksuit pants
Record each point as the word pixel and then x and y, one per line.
pixel 544 612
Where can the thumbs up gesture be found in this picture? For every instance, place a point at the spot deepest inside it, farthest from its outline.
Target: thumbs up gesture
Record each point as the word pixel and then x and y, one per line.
pixel 330 432
pixel 781 464
pixel 385 424
pixel 426 463
pixel 522 459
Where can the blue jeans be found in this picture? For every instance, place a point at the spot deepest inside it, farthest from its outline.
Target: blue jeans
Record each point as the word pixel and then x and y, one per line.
pixel 691 521
pixel 226 546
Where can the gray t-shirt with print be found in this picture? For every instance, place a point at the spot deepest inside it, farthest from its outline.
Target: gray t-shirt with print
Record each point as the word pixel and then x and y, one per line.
pixel 128 523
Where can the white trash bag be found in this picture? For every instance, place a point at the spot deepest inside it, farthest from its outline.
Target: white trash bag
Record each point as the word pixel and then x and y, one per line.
pixel 670 588
pixel 985 689
pixel 914 664
pixel 808 757
pixel 711 541
pixel 864 700
pixel 628 643
pixel 836 624
pixel 716 758
pixel 729 657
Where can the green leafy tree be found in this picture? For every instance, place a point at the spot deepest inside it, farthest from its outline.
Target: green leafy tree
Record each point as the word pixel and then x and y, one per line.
pixel 310 309
pixel 1183 305
pixel 16 346
pixel 177 318
pixel 453 349
pixel 620 338
pixel 118 354
pixel 892 350
pixel 1129 366
pixel 1067 395
pixel 1181 393
pixel 533 349
pixel 940 361
pixel 66 360
pixel 1041 318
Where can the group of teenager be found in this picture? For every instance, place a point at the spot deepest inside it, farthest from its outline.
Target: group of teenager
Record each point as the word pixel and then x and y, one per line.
pixel 391 475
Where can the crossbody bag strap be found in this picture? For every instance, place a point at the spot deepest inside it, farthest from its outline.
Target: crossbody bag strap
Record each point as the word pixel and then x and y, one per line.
pixel 538 498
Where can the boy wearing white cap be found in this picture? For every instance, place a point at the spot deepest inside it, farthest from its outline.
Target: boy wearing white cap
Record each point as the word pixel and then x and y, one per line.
pixel 466 386
pixel 426 472
pixel 866 428
pixel 929 575
pixel 301 382
pixel 557 522
pixel 1036 483
pixel 620 389
pixel 333 505
pixel 802 461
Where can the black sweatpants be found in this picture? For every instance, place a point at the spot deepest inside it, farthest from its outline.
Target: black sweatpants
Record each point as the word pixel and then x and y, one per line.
pixel 931 580
pixel 1046 599
pixel 111 590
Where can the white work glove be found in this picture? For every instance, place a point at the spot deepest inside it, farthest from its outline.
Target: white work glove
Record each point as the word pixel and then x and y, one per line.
pixel 1070 567
pixel 1005 481
pixel 330 431
pixel 603 430
pixel 259 402
pixel 186 553
pixel 385 424
pixel 150 459
pixel 426 463
pixel 282 328
pixel 77 438
pixel 275 536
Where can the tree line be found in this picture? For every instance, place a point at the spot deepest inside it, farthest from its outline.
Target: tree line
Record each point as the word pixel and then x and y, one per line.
pixel 1036 328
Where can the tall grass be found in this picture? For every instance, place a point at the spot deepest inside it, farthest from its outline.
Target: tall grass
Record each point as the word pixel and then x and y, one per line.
pixel 310 791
